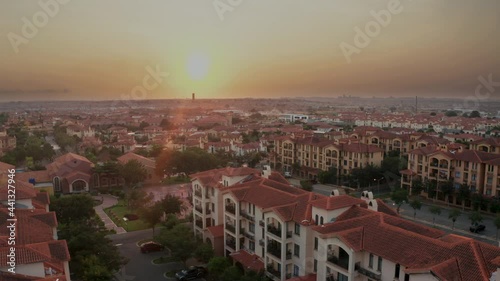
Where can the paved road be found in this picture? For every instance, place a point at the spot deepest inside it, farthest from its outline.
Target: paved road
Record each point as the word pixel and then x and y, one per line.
pixel 107 201
pixel 140 266
pixel 318 188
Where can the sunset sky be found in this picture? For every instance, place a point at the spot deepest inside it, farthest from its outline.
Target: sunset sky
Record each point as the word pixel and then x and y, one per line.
pixel 94 49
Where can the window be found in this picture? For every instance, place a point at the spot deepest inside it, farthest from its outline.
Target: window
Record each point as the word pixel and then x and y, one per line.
pixel 315 243
pixel 57 184
pixel 296 250
pixel 316 219
pixel 396 271
pixel 379 264
pixel 407 277
pixel 295 270
pixel 297 229
pixel 79 185
pixel 251 245
pixel 342 277
pixel 321 220
pixel 251 227
pixel 315 265
pixel 370 262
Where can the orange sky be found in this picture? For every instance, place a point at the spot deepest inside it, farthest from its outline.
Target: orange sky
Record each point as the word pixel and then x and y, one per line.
pixel 100 49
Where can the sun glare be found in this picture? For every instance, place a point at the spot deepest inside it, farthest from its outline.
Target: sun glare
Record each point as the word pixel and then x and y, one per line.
pixel 197 66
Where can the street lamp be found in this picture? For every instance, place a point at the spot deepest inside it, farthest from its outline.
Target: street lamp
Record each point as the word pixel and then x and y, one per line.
pixel 378 185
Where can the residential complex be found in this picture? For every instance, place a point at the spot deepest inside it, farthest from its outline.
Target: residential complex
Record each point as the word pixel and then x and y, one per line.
pixel 266 224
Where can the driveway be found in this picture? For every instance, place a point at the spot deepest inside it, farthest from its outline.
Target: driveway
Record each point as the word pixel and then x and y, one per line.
pixel 140 266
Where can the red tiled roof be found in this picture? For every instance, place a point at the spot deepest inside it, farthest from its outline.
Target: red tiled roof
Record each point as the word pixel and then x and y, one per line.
pixel 336 202
pixel 309 277
pixel 216 231
pixel 249 261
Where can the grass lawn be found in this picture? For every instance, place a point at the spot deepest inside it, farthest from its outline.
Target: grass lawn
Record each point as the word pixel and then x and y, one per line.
pixel 117 212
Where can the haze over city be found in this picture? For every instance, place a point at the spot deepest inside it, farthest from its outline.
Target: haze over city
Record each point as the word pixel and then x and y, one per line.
pixel 93 50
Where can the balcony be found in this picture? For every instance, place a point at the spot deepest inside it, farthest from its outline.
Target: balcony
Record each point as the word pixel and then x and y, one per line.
pixel 246 215
pixel 274 249
pixel 231 228
pixel 199 209
pixel 248 235
pixel 342 262
pixel 289 234
pixel 288 255
pixel 208 211
pixel 197 193
pixel 367 273
pixel 230 209
pixel 199 223
pixel 261 223
pixel 231 244
pixel 274 230
pixel 273 272
pixel 261 242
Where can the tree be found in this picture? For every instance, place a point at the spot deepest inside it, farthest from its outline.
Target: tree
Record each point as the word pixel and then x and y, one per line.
pixel 474 114
pixel 416 186
pixel 391 164
pixel 463 194
pixel 204 252
pixel 179 240
pixel 137 198
pixel 435 211
pixel 399 196
pixel 133 172
pixel 475 217
pixel 152 215
pixel 231 273
pixel 416 205
pixel 453 215
pixel 217 265
pixel 306 185
pixel 496 221
pixel 94 257
pixel 171 204
pixel 450 113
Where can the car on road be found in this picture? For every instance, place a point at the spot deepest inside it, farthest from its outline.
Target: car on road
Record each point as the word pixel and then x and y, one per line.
pixel 149 247
pixel 288 175
pixel 191 273
pixel 477 227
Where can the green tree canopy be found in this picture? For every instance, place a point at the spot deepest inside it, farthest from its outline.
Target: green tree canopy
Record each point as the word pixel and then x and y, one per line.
pixel 399 196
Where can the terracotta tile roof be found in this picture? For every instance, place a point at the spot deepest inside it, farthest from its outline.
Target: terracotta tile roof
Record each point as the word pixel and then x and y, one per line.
pixel 39 176
pixel 213 177
pixel 4 167
pixel 149 163
pixel 216 231
pixel 23 191
pixel 249 261
pixel 384 208
pixel 309 277
pixel 336 202
pixel 416 247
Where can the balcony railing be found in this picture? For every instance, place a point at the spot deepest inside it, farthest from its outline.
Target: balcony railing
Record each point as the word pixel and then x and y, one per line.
pixel 199 209
pixel 231 244
pixel 274 230
pixel 342 262
pixel 274 250
pixel 367 273
pixel 248 235
pixel 230 209
pixel 231 228
pixel 288 255
pixel 261 223
pixel 273 272
pixel 197 193
pixel 246 215
pixel 289 234
pixel 261 242
pixel 199 223
pixel 208 211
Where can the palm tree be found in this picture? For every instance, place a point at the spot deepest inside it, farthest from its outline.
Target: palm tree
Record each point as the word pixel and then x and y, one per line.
pixel 416 205
pixel 453 215
pixel 435 210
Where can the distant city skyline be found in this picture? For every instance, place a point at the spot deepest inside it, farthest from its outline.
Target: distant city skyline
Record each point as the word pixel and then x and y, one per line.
pixel 94 50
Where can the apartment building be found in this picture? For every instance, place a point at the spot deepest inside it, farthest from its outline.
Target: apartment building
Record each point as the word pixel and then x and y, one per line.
pixel 38 253
pixel 366 245
pixel 475 168
pixel 491 145
pixel 315 154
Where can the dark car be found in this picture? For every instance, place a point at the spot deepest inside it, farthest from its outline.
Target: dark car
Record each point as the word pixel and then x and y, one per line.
pixel 313 181
pixel 151 247
pixel 191 273
pixel 477 227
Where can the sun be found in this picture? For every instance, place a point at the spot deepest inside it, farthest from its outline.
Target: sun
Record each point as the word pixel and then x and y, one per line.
pixel 197 66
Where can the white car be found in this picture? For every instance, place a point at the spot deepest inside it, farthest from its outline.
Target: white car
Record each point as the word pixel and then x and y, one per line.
pixel 288 175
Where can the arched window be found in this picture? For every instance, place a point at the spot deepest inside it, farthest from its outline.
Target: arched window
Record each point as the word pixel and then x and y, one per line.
pixel 321 220
pixel 316 219
pixel 57 184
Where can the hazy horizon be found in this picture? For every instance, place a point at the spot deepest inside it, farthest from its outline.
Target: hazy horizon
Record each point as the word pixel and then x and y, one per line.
pixel 97 50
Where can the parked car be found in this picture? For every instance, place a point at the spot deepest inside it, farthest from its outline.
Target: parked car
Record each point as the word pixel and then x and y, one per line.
pixel 151 247
pixel 313 181
pixel 288 175
pixel 477 227
pixel 191 273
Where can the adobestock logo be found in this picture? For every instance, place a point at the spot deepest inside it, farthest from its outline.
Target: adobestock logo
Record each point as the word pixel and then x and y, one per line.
pixel 224 6
pixel 40 19
pixel 372 29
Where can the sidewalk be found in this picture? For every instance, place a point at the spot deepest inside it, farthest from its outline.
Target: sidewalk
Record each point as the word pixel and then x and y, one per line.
pixel 107 201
